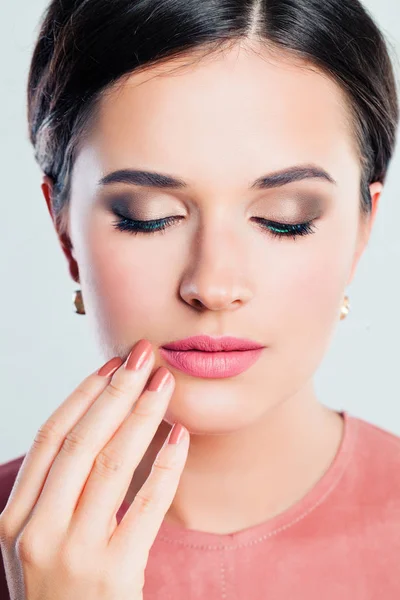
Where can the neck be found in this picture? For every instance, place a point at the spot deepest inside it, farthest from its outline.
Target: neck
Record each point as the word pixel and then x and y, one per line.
pixel 237 480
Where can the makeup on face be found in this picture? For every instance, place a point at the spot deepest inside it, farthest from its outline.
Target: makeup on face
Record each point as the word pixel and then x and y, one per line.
pixel 212 357
pixel 285 212
pixel 211 364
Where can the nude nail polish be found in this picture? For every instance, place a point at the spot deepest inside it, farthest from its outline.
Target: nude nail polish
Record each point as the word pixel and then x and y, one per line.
pixel 139 355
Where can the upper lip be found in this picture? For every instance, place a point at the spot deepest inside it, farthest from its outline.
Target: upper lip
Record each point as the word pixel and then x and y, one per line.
pixel 212 344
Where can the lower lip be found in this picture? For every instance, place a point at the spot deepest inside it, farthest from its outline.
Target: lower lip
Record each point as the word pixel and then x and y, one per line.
pixel 211 364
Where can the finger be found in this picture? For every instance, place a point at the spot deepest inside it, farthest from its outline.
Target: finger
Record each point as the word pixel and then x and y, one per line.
pixel 138 528
pixel 73 464
pixel 46 445
pixel 113 468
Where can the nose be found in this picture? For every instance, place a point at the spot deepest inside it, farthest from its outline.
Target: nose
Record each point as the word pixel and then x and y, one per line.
pixel 216 277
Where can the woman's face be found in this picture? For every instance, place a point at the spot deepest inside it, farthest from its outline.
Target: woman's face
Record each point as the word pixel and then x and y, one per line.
pixel 219 125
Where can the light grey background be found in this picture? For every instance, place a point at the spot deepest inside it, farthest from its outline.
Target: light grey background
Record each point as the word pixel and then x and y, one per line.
pixel 46 349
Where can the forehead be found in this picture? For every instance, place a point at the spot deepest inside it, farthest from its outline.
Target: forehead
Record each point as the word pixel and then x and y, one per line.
pixel 242 109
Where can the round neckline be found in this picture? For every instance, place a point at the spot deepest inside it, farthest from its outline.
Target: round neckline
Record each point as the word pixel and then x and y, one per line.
pixel 175 533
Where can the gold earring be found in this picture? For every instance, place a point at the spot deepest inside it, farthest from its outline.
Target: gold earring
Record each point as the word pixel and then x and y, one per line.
pixel 345 308
pixel 78 302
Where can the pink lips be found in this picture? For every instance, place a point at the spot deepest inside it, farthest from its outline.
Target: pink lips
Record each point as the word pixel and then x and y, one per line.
pixel 210 357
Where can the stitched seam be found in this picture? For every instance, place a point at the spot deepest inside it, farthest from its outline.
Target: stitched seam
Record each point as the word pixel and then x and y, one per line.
pixel 223 579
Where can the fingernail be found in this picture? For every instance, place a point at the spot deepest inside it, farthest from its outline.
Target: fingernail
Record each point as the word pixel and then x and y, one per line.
pixel 138 356
pixel 176 434
pixel 160 380
pixel 110 367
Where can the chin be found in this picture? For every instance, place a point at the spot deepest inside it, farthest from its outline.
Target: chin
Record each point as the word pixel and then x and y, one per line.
pixel 211 412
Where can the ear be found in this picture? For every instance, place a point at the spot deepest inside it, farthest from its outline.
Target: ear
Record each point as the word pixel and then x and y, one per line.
pixel 64 239
pixel 375 189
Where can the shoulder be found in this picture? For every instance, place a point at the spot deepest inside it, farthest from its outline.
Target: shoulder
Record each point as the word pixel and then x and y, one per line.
pixel 376 462
pixel 375 442
pixel 8 473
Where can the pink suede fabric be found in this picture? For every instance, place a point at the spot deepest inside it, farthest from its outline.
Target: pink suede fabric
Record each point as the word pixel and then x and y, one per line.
pixel 341 541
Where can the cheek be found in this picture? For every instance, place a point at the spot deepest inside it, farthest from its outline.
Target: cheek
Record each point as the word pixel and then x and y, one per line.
pixel 300 302
pixel 310 286
pixel 124 277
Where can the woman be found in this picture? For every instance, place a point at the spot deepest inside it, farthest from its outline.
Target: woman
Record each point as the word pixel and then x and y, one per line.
pixel 214 170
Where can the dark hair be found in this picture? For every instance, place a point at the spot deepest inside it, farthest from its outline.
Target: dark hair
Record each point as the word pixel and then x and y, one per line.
pixel 85 46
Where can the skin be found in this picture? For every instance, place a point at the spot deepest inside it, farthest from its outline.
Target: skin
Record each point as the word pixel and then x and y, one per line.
pixel 262 439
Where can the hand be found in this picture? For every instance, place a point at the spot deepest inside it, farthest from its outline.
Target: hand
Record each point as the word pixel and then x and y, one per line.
pixel 58 533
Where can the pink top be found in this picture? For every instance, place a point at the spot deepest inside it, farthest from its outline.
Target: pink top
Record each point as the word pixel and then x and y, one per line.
pixel 341 541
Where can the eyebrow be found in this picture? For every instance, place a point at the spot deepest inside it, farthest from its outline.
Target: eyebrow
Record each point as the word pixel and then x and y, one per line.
pixel 271 180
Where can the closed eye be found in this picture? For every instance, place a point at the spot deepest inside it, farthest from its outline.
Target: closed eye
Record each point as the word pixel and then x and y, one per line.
pixel 273 228
pixel 281 230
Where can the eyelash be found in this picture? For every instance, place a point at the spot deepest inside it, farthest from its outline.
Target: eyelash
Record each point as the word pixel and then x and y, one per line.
pixel 160 225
